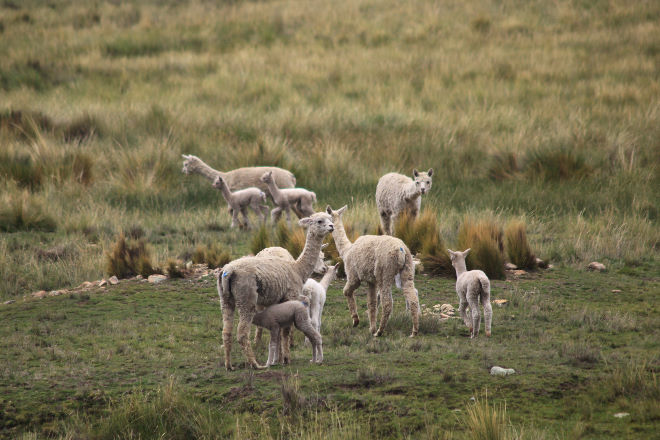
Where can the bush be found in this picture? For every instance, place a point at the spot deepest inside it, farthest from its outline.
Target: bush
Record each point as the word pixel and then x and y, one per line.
pixel 517 247
pixel 128 258
pixel 485 239
pixel 213 256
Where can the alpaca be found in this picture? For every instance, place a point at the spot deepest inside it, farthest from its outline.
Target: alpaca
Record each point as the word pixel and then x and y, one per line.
pixel 251 281
pixel 284 315
pixel 375 260
pixel 396 193
pixel 239 178
pixel 316 292
pixel 240 200
pixel 470 287
pixel 298 199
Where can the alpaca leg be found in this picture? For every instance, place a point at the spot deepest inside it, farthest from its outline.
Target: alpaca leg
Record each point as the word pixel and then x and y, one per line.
pixel 273 346
pixel 257 335
pixel 275 214
pixel 264 213
pixel 244 323
pixel 288 216
pixel 488 316
pixel 245 217
pixel 372 307
pixel 462 311
pixel 386 300
pixel 285 344
pixel 385 222
pixel 303 323
pixel 412 299
pixel 234 218
pixel 349 288
pixel 227 326
pixel 476 316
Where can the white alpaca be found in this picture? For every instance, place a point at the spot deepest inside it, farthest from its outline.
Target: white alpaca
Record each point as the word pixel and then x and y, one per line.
pixel 239 201
pixel 396 193
pixel 375 260
pixel 239 178
pixel 299 199
pixel 316 292
pixel 283 316
pixel 470 287
pixel 251 281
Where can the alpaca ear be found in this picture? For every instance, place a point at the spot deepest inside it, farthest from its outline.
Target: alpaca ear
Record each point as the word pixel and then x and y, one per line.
pixel 342 209
pixel 185 156
pixel 328 209
pixel 452 253
pixel 304 222
pixel 430 172
pixel 466 251
pixel 415 172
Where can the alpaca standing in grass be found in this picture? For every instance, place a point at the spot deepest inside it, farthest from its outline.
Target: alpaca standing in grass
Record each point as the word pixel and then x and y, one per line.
pixel 316 292
pixel 299 199
pixel 471 286
pixel 239 178
pixel 251 281
pixel 240 200
pixel 282 316
pixel 375 260
pixel 396 193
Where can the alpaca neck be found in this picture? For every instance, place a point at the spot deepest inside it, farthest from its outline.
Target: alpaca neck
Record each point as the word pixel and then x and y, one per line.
pixel 206 171
pixel 460 268
pixel 226 193
pixel 342 242
pixel 258 319
pixel 327 279
pixel 278 197
pixel 305 263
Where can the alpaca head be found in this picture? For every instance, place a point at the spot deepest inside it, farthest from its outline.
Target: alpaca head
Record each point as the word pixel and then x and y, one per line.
pixel 320 266
pixel 423 180
pixel 189 163
pixel 336 215
pixel 318 224
pixel 332 272
pixel 218 183
pixel 458 258
pixel 267 177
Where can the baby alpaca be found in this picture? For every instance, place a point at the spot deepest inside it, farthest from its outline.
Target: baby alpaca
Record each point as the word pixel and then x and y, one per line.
pixel 299 200
pixel 284 315
pixel 252 198
pixel 316 292
pixel 470 286
pixel 396 193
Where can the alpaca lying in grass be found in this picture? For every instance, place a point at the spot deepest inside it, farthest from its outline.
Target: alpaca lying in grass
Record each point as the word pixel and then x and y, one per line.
pixel 251 281
pixel 239 178
pixel 284 315
pixel 240 200
pixel 470 287
pixel 396 193
pixel 316 292
pixel 375 260
pixel 299 199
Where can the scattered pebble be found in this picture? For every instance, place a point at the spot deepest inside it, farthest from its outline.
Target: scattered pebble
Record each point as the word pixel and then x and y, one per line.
pixel 499 371
pixel 56 292
pixel 510 266
pixel 472 399
pixel 11 301
pixel 103 283
pixel 113 280
pixel 155 279
pixel 518 272
pixel 500 302
pixel 86 285
pixel 40 294
pixel 595 265
pixel 621 415
pixel 616 291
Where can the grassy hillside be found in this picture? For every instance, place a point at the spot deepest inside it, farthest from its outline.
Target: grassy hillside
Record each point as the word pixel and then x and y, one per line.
pixel 533 113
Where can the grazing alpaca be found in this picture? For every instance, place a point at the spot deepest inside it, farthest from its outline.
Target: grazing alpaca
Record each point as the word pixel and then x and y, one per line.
pixel 471 286
pixel 375 260
pixel 239 178
pixel 298 199
pixel 251 281
pixel 396 193
pixel 240 200
pixel 284 315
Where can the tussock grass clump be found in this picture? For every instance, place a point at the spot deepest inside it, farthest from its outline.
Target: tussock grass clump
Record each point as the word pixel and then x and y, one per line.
pixel 128 258
pixel 555 163
pixel 260 240
pixel 579 353
pixel 422 236
pixel 504 166
pixel 484 421
pixel 214 255
pixel 22 169
pixel 370 376
pixel 175 268
pixel 486 240
pixel 22 212
pixel 635 379
pixel 517 246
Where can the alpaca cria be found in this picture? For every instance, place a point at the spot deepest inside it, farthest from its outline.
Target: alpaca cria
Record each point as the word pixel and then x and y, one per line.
pixel 239 178
pixel 284 315
pixel 471 286
pixel 300 200
pixel 250 281
pixel 396 193
pixel 240 200
pixel 375 260
pixel 316 292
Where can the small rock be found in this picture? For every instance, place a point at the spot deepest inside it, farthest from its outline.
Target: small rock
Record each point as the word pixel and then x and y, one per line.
pixel 103 283
pixel 518 272
pixel 447 309
pixel 40 294
pixel 595 265
pixel 621 415
pixel 510 266
pixel 139 277
pixel 499 371
pixel 86 285
pixel 189 265
pixel 500 302
pixel 616 291
pixel 542 264
pixel 443 316
pixel 113 280
pixel 473 399
pixel 11 301
pixel 155 279
pixel 56 292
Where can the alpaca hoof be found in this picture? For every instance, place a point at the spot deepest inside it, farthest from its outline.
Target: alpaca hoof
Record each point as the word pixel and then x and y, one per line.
pixel 228 367
pixel 256 366
pixel 356 321
pixel 413 334
pixel 378 333
pixel 488 334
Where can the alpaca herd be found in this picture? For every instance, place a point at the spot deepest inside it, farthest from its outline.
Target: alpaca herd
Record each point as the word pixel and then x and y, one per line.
pixel 273 290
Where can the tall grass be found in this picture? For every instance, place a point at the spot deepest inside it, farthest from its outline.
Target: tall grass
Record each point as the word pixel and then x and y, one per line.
pixel 485 238
pixel 517 246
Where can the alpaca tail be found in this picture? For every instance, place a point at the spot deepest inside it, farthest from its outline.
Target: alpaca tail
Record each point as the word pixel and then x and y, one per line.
pixel 224 282
pixel 314 197
pixel 262 195
pixel 406 275
pixel 485 288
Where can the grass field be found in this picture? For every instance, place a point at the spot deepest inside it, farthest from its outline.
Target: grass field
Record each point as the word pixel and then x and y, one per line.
pixel 545 114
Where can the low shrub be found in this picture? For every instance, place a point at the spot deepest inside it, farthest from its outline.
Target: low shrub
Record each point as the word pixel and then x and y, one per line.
pixel 517 247
pixel 485 238
pixel 128 258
